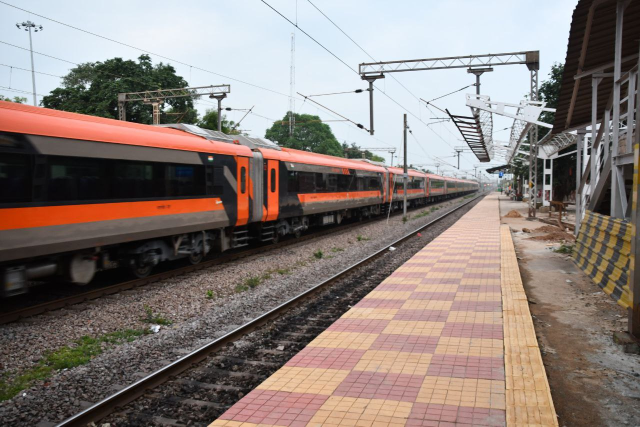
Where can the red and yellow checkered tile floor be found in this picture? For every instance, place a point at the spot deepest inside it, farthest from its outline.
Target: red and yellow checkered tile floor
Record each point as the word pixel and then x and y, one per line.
pixel 447 339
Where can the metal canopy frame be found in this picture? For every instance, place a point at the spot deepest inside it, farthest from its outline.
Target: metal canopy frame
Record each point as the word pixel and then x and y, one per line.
pixel 530 58
pixel 157 97
pixel 471 129
pixel 525 115
pixel 370 71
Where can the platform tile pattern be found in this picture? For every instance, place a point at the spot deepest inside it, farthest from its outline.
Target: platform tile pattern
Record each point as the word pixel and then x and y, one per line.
pixel 426 348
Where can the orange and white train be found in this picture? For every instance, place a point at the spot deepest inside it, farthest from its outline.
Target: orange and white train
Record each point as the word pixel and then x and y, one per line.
pixel 79 194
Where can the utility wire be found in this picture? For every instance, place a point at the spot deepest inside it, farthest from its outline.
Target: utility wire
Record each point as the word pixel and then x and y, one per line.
pixel 337 114
pixel 142 50
pixel 341 93
pixel 308 35
pixel 20 91
pixel 447 94
pixel 392 76
pixel 24 69
pixel 159 55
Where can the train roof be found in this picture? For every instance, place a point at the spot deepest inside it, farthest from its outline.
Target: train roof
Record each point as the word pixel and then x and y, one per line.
pixel 299 156
pixel 30 120
pixel 411 172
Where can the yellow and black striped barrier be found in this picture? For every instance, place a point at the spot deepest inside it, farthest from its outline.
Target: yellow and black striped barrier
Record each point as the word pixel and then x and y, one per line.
pixel 602 251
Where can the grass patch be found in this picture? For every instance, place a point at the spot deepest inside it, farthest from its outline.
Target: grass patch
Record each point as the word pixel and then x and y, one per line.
pixel 83 350
pixel 251 283
pixel 362 238
pixel 564 249
pixel 283 271
pixel 210 294
pixel 155 318
pixel 318 254
pixel 335 250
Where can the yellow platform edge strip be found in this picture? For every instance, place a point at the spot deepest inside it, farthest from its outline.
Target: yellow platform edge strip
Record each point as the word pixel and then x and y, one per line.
pixel 528 394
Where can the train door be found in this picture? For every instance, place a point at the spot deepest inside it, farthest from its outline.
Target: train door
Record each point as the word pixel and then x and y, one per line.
pixel 273 190
pixel 257 189
pixel 244 182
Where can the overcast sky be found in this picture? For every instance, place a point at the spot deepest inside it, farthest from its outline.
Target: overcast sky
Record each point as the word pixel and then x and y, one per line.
pixel 248 41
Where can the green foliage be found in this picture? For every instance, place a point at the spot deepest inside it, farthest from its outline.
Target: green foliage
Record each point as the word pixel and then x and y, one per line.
pixel 210 294
pixel 283 271
pixel 361 238
pixel 334 250
pixel 354 152
pixel 67 357
pixel 310 134
pixel 564 249
pixel 210 121
pixel 156 319
pixel 318 254
pixel 92 88
pixel 549 91
pixel 250 283
pixel 16 99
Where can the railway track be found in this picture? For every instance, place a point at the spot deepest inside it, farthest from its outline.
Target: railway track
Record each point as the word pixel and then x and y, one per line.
pixel 208 389
pixel 102 291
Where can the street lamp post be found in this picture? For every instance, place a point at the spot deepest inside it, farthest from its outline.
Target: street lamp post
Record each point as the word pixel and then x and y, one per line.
pixel 28 26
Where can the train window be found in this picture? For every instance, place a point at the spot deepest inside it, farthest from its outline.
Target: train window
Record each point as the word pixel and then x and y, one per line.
pixel 374 184
pixel 293 185
pixel 307 182
pixel 321 183
pixel 15 178
pixel 184 180
pixel 243 180
pixel 436 183
pixel 273 180
pixel 137 180
pixel 77 178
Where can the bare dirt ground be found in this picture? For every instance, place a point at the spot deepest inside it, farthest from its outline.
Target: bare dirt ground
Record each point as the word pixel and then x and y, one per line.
pixel 593 382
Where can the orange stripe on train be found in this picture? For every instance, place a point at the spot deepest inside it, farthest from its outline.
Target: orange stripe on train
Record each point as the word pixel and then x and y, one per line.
pixel 16 218
pixel 327 197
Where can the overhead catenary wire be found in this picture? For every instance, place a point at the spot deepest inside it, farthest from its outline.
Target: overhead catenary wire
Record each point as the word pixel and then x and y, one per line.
pixel 24 69
pixel 446 94
pixel 337 114
pixel 373 59
pixel 191 66
pixel 142 50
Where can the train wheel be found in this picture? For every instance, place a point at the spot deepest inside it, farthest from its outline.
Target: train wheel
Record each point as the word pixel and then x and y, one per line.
pixel 141 272
pixel 195 258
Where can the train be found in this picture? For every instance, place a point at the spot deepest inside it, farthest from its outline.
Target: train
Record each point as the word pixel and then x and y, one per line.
pixel 80 194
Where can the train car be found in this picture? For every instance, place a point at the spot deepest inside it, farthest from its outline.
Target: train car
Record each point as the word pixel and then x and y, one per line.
pixel 81 193
pixel 416 187
pixel 314 189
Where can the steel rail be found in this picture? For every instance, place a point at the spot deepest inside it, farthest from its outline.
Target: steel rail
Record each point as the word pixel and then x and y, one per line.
pixel 128 394
pixel 80 298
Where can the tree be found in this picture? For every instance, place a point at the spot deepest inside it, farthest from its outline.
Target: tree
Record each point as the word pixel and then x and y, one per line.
pixel 310 134
pixel 549 91
pixel 354 152
pixel 210 121
pixel 16 99
pixel 92 88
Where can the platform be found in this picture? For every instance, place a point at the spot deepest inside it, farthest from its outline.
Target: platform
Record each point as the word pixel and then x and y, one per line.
pixel 447 339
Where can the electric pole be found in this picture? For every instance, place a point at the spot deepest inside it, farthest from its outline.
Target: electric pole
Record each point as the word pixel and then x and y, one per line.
pixel 405 176
pixel 458 151
pixel 28 26
pixel 292 85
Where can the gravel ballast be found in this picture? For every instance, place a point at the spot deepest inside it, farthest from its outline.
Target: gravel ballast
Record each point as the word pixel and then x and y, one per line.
pixel 197 316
